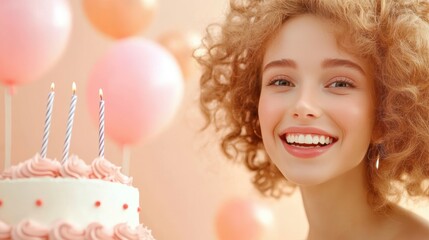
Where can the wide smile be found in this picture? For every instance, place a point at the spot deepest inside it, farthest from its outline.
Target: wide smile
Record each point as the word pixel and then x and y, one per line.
pixel 308 140
pixel 307 145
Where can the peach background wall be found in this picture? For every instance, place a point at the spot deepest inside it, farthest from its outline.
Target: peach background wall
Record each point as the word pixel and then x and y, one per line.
pixel 182 177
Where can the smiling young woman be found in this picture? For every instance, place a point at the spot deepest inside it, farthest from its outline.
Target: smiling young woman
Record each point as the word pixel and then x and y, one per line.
pixel 329 96
pixel 311 90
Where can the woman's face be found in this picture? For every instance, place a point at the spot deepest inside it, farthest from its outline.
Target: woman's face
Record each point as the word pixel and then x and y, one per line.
pixel 316 106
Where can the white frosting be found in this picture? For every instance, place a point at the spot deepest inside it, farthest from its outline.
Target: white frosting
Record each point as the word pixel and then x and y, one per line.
pixel 68 199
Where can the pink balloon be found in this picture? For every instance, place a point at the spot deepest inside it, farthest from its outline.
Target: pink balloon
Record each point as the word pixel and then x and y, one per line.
pixel 243 219
pixel 33 34
pixel 142 86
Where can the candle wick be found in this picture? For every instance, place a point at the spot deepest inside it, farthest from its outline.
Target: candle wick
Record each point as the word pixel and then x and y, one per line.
pixel 74 88
pixel 100 92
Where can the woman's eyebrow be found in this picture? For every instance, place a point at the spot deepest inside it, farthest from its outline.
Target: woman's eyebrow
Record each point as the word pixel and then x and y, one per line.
pixel 337 62
pixel 327 63
pixel 280 63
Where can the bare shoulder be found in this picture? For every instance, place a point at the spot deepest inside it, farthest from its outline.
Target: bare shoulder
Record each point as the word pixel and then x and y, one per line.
pixel 411 226
pixel 418 231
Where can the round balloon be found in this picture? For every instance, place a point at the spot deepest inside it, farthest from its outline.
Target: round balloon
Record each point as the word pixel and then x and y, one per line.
pixel 182 46
pixel 33 34
pixel 120 18
pixel 142 88
pixel 243 219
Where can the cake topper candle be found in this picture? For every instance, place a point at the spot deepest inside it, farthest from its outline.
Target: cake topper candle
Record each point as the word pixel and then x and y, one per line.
pixel 101 126
pixel 49 106
pixel 70 123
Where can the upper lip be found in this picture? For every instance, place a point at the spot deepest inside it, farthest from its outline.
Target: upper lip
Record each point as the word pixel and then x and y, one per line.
pixel 306 130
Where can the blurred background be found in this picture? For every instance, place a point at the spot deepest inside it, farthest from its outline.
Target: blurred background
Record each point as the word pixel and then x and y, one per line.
pixel 188 189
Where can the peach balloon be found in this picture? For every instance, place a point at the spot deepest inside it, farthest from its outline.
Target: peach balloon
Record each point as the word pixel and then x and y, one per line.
pixel 33 35
pixel 120 18
pixel 142 89
pixel 182 46
pixel 243 219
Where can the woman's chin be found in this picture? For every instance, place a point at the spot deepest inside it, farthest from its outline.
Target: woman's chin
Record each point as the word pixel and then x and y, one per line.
pixel 306 180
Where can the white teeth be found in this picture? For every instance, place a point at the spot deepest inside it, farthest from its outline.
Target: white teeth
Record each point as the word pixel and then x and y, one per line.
pixel 308 139
pixel 322 140
pixel 315 139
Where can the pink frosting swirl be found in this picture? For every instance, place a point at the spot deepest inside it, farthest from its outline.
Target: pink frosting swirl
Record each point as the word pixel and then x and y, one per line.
pixel 65 231
pixel 75 167
pixel 5 231
pixel 96 231
pixel 103 169
pixel 28 230
pixel 121 178
pixel 8 173
pixel 123 232
pixel 144 233
pixel 37 167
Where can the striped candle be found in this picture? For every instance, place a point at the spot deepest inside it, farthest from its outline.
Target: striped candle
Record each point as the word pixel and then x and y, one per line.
pixel 48 115
pixel 101 126
pixel 70 123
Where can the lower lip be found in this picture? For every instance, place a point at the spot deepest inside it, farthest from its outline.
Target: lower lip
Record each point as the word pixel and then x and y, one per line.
pixel 306 152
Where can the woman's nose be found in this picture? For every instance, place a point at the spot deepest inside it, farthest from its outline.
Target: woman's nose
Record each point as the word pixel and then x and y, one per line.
pixel 306 105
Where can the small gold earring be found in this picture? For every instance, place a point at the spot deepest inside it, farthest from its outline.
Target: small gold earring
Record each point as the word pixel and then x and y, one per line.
pixel 377 162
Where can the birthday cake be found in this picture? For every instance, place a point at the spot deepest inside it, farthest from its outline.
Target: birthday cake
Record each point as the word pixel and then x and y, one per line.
pixel 44 199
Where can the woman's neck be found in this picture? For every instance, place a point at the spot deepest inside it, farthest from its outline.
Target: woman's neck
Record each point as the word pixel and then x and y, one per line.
pixel 339 209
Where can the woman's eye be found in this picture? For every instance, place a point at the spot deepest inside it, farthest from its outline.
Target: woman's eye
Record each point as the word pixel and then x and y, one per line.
pixel 281 82
pixel 341 84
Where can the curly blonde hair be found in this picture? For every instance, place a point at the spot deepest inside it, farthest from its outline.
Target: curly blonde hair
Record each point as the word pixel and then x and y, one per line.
pixel 392 34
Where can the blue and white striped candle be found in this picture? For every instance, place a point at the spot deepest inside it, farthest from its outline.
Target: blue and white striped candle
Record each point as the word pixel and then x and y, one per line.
pixel 101 126
pixel 48 116
pixel 70 124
